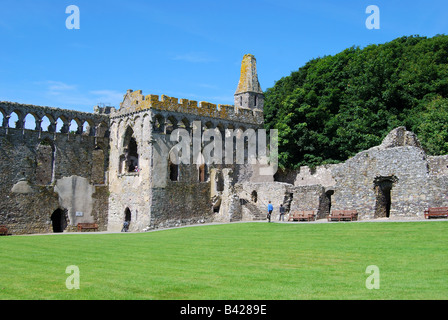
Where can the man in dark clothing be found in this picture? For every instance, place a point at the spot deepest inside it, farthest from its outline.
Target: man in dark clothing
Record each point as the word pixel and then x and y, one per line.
pixel 282 213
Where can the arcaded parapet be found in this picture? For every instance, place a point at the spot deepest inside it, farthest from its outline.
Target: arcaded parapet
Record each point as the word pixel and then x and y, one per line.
pixel 93 124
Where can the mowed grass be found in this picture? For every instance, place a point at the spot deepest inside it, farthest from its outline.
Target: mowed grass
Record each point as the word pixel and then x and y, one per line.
pixel 233 261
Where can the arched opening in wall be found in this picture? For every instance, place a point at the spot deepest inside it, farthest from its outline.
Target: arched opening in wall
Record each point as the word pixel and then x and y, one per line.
pixel 127 220
pixel 383 187
pixel 58 221
pixel 89 128
pixel 185 124
pixel 47 124
pixel 74 127
pixel 30 122
pixel 2 117
pixel 170 125
pixel 14 120
pixel 159 123
pixel 61 126
pixel 325 204
pixel 174 171
pixel 127 215
pixel 132 161
pixel 130 147
pixel 254 196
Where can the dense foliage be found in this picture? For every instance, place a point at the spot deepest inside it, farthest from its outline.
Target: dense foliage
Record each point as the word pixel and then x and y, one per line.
pixel 336 106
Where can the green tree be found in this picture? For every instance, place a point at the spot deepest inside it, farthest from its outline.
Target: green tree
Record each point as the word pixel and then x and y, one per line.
pixel 335 106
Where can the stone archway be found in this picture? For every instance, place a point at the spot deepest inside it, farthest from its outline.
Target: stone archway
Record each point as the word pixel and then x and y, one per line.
pixel 127 215
pixel 383 202
pixel 59 220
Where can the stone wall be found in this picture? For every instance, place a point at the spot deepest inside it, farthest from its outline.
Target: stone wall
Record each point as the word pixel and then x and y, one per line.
pixel 412 188
pixel 41 172
pixel 393 180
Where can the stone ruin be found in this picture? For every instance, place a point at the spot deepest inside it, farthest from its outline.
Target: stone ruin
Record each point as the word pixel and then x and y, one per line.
pixel 112 166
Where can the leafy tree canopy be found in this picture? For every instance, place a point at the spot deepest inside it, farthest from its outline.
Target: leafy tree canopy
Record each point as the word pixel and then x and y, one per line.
pixel 336 106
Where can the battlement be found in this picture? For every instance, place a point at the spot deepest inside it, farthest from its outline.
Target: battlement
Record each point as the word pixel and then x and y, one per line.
pixel 135 101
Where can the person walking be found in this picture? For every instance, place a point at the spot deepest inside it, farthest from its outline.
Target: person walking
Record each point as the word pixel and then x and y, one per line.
pixel 270 209
pixel 282 213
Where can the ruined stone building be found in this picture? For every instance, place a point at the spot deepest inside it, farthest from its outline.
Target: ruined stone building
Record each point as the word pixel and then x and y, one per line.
pixel 114 165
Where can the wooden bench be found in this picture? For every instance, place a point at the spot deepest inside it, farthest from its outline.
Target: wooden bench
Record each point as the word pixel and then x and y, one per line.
pixel 343 215
pixel 4 231
pixel 302 215
pixel 440 212
pixel 87 226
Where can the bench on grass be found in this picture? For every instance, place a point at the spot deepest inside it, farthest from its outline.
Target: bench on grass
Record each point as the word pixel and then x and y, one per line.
pixel 4 231
pixel 87 226
pixel 302 215
pixel 439 212
pixel 343 215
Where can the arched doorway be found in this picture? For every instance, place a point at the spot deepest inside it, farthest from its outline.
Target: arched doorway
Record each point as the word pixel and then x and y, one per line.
pixel 127 220
pixel 383 187
pixel 58 221
pixel 127 215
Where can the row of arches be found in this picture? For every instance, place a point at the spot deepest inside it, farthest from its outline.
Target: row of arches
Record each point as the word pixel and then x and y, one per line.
pixel 49 123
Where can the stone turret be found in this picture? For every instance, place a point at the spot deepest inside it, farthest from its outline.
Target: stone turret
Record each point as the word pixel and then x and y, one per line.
pixel 249 93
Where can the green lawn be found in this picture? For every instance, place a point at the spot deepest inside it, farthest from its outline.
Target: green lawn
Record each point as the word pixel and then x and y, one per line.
pixel 233 261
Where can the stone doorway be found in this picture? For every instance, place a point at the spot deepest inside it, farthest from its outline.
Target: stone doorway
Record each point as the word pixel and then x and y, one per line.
pixel 59 221
pixel 325 205
pixel 383 187
pixel 127 215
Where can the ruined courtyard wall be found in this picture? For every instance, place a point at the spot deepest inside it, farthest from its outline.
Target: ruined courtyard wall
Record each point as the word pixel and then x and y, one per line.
pixel 181 200
pixel 159 201
pixel 414 188
pixel 28 182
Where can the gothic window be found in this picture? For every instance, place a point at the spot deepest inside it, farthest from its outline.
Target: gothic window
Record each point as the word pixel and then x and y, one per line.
pixel 129 160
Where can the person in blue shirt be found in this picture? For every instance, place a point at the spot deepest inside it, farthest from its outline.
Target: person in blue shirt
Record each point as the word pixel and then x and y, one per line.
pixel 270 209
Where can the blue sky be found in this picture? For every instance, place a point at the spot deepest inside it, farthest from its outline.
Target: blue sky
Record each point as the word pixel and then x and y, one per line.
pixel 186 49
